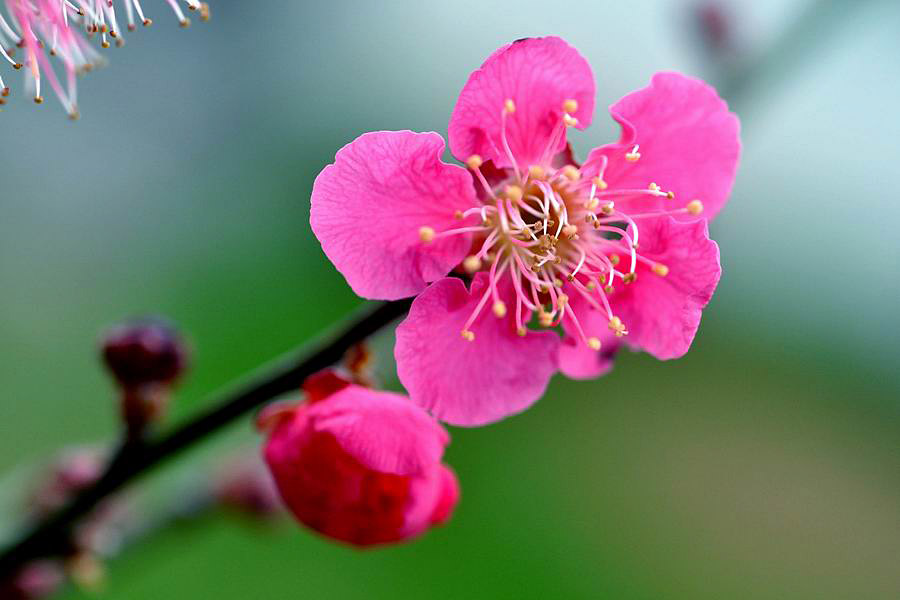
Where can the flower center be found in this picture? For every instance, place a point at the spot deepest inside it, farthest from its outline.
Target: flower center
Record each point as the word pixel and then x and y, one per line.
pixel 550 232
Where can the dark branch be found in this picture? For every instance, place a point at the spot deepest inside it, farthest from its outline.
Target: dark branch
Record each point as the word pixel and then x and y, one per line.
pixel 50 537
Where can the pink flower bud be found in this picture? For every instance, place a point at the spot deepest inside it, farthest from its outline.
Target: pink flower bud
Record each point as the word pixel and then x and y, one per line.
pixel 362 466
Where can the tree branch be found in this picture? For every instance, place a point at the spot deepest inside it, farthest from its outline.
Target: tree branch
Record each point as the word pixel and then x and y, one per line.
pixel 51 536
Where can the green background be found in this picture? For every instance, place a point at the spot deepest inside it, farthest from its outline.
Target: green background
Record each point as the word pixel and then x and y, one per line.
pixel 765 464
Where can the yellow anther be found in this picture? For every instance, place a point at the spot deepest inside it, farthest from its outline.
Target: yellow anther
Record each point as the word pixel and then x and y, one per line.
pixel 601 185
pixel 521 331
pixel 545 319
pixel 609 290
pixel 557 282
pixel 471 264
pixel 509 106
pixel 695 207
pixel 653 187
pixel 570 105
pixel 562 300
pixel 592 204
pixel 513 192
pixel 591 286
pixel 571 173
pixel 594 343
pixel 537 172
pixel 474 161
pixel 670 195
pixel 614 259
pixel 38 100
pixel 660 269
pixel 629 277
pixel 426 234
pixel 185 24
pixel 608 208
pixel 204 11
pixel 570 231
pixel 616 323
pixel 569 120
pixel 457 214
pixel 467 335
pixel 633 156
pixel 499 309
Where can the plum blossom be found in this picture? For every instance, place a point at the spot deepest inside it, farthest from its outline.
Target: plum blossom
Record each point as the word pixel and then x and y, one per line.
pixel 566 260
pixel 53 28
pixel 359 465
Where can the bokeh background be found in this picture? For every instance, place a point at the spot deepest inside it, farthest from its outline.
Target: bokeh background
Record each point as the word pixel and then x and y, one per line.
pixel 765 464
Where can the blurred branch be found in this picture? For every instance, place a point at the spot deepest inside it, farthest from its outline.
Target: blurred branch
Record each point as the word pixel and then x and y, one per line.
pixel 51 536
pixel 795 44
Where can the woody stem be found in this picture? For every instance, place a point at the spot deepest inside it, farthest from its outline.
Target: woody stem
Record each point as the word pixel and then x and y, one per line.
pixel 51 535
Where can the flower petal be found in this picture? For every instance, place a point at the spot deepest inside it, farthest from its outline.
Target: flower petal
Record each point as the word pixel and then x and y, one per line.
pixel 383 431
pixel 689 144
pixel 368 207
pixel 576 359
pixel 662 314
pixel 538 75
pixel 470 383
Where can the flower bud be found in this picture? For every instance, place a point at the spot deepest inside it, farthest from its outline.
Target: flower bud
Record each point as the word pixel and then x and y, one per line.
pixel 363 467
pixel 145 357
pixel 144 351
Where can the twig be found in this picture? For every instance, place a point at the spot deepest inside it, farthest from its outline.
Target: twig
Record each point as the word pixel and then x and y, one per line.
pixel 51 536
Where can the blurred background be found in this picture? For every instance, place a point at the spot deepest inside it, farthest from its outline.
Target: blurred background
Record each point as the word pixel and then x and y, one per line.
pixel 765 464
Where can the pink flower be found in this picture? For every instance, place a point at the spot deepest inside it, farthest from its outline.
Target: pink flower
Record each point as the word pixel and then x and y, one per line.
pixel 42 27
pixel 611 248
pixel 360 466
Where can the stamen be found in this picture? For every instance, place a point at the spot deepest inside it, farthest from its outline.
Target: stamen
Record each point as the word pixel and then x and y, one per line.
pixel 570 106
pixel 660 269
pixel 499 309
pixel 634 155
pixel 426 234
pixel 471 264
pixel 695 207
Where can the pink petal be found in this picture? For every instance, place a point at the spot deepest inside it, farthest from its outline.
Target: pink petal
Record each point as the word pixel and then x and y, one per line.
pixel 368 207
pixel 576 359
pixel 662 314
pixel 470 383
pixel 383 431
pixel 538 75
pixel 449 496
pixel 689 144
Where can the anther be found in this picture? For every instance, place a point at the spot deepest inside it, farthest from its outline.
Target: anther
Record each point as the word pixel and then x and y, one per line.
pixel 660 269
pixel 185 24
pixel 670 195
pixel 616 324
pixel 571 173
pixel 148 22
pixel 634 155
pixel 601 185
pixel 499 309
pixel 591 286
pixel 608 208
pixel 38 100
pixel 557 282
pixel 569 120
pixel 426 234
pixel 521 331
pixel 204 11
pixel 562 300
pixel 614 259
pixel 629 277
pixel 609 290
pixel 653 187
pixel 570 105
pixel 593 343
pixel 513 192
pixel 695 207
pixel 471 264
pixel 17 66
pixel 474 161
pixel 458 214
pixel 4 92
pixel 592 204
pixel 509 106
pixel 537 172
pixel 570 231
pixel 467 335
